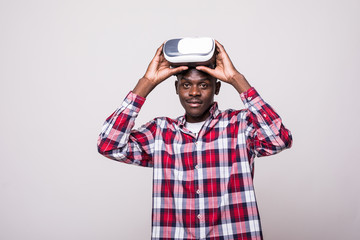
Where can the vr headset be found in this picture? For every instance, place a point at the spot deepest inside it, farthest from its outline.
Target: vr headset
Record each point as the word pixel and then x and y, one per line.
pixel 191 52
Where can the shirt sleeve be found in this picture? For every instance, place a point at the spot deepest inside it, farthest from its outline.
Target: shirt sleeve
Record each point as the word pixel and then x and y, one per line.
pixel 266 133
pixel 118 140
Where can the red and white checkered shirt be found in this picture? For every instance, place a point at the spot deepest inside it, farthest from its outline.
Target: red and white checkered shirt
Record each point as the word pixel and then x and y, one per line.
pixel 202 185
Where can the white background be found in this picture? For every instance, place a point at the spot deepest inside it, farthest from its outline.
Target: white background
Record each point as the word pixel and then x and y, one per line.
pixel 66 65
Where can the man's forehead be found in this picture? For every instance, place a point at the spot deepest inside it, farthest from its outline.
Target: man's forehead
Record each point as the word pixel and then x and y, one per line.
pixel 205 78
pixel 194 74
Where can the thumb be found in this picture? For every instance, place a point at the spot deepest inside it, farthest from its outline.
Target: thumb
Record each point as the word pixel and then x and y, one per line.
pixel 176 70
pixel 207 70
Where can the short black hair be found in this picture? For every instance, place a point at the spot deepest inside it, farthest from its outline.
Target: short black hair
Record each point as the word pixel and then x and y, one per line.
pixel 191 69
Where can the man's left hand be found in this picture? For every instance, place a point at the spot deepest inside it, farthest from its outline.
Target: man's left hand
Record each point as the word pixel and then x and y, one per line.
pixel 225 70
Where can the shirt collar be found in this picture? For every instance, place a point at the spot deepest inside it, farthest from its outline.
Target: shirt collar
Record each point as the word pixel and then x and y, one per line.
pixel 214 111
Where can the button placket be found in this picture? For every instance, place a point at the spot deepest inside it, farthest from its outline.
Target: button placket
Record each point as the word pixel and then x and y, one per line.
pixel 198 179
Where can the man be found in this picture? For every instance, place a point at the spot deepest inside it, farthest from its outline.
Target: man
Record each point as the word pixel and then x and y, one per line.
pixel 202 161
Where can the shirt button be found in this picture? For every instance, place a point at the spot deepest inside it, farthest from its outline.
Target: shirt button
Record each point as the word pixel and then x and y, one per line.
pixel 198 191
pixel 197 167
pixel 199 216
pixel 264 115
pixel 249 98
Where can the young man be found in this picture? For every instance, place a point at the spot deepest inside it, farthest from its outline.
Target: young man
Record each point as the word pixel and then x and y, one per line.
pixel 202 161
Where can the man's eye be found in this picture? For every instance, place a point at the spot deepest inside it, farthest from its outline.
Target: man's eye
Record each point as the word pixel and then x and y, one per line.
pixel 203 85
pixel 186 85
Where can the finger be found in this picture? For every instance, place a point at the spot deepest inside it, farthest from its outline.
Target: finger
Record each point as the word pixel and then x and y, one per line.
pixel 223 56
pixel 159 50
pixel 219 46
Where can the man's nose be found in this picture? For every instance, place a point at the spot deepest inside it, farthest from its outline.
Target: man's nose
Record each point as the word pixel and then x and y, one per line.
pixel 194 91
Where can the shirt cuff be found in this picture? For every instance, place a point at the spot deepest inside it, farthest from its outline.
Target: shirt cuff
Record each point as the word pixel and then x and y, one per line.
pixel 259 107
pixel 250 97
pixel 133 101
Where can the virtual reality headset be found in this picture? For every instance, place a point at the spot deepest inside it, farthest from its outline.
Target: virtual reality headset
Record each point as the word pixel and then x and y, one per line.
pixel 190 51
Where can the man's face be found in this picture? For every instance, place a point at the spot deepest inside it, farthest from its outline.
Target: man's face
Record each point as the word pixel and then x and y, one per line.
pixel 196 91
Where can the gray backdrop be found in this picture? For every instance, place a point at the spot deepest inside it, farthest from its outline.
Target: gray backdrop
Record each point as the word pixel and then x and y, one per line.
pixel 66 65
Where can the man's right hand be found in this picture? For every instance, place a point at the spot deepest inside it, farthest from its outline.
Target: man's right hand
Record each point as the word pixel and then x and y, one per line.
pixel 157 71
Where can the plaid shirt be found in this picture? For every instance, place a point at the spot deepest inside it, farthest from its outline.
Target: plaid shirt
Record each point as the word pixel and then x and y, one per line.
pixel 202 185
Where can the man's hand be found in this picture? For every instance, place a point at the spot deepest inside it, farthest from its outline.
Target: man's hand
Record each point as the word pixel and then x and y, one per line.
pixel 225 70
pixel 157 71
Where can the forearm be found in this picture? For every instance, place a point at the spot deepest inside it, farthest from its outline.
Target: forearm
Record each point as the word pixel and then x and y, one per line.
pixel 239 82
pixel 143 87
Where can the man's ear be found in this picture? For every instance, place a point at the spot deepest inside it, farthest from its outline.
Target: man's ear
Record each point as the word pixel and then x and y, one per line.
pixel 176 89
pixel 217 87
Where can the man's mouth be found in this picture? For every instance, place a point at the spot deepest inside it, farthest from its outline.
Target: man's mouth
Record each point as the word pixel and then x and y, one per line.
pixel 194 103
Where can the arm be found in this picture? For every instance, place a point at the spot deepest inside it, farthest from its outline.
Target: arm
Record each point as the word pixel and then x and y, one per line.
pixel 119 142
pixel 117 139
pixel 266 133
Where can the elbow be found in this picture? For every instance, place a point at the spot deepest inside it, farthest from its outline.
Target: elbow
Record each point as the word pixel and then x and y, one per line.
pixel 109 150
pixel 282 142
pixel 101 148
pixel 288 140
